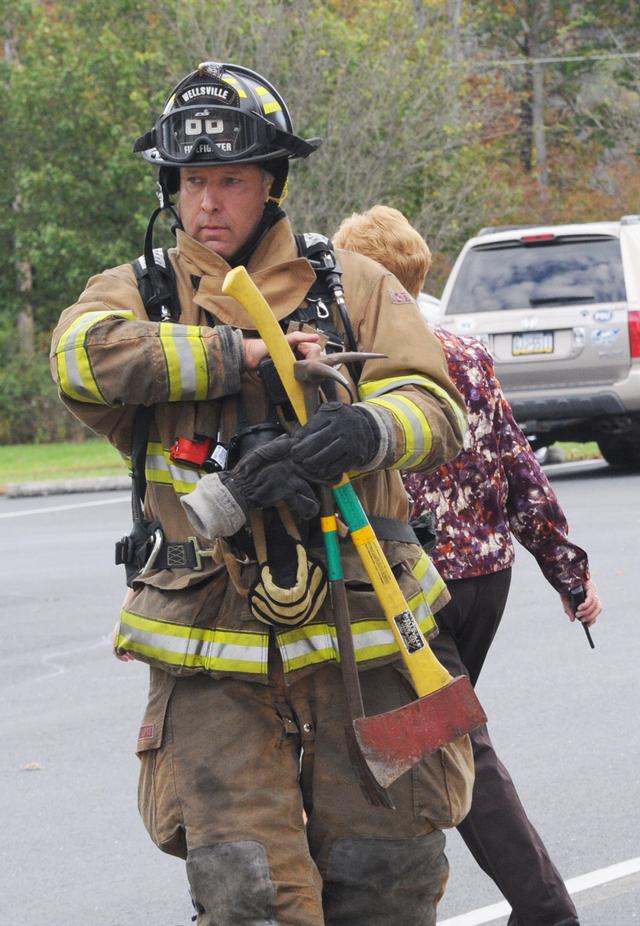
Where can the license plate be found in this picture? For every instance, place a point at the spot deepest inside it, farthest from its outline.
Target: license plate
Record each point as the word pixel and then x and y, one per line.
pixel 532 342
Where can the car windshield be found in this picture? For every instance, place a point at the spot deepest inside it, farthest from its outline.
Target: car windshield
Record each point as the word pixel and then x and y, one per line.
pixel 512 275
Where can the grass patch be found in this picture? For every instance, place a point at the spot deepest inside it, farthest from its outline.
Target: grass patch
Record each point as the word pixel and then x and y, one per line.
pixel 37 462
pixel 573 451
pixel 95 457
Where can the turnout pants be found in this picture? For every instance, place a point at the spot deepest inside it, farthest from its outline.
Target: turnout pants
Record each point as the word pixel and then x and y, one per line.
pixel 497 831
pixel 238 764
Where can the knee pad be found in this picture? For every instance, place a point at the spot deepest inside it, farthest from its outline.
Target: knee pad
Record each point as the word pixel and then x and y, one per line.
pixel 231 884
pixel 382 881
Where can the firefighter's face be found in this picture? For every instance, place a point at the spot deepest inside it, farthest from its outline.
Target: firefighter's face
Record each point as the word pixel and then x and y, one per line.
pixel 221 206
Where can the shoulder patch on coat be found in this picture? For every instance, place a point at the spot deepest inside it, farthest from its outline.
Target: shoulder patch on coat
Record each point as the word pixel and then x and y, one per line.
pixel 146 732
pixel 400 298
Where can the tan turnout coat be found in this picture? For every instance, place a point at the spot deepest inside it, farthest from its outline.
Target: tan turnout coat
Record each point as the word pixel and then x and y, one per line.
pixel 108 358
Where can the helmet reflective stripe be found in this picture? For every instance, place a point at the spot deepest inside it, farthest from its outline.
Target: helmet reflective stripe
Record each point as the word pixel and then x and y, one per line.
pixel 236 86
pixel 169 104
pixel 374 388
pixel 161 469
pixel 74 369
pixel 186 359
pixel 415 428
pixel 193 647
pixel 269 103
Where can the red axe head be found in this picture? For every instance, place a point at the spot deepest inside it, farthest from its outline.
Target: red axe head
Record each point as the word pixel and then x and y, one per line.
pixel 393 742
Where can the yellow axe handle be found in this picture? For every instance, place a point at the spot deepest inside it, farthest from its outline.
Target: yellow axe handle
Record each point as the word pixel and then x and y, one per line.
pixel 427 673
pixel 239 284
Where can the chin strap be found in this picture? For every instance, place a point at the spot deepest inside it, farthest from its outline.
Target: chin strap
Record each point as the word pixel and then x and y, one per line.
pixel 272 213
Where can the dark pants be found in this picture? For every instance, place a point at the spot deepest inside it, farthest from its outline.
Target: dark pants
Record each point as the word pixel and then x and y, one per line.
pixel 497 830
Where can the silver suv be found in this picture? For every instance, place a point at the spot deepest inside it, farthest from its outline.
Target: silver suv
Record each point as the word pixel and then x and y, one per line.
pixel 558 306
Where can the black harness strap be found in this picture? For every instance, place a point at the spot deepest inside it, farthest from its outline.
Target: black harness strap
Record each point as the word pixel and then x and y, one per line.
pixel 327 288
pixel 134 550
pixel 158 289
pixel 139 439
pixel 156 281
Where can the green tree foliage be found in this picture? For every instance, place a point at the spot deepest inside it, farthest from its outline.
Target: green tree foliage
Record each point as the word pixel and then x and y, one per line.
pixel 584 100
pixel 403 92
pixel 79 94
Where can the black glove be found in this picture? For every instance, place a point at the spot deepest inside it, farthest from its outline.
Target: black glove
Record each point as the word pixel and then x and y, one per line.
pixel 267 475
pixel 336 439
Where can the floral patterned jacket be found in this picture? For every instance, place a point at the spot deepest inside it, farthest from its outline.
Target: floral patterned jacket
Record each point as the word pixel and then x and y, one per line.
pixel 494 487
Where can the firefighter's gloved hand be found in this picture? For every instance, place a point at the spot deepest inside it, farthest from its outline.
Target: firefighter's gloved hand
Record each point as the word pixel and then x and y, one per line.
pixel 336 439
pixel 220 504
pixel 267 475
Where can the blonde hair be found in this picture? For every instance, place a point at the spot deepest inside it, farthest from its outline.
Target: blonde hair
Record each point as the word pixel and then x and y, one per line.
pixel 386 235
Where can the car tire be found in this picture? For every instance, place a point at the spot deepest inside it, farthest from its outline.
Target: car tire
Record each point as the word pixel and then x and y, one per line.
pixel 620 450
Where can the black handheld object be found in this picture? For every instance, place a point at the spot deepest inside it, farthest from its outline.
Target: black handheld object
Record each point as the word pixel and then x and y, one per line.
pixel 577 596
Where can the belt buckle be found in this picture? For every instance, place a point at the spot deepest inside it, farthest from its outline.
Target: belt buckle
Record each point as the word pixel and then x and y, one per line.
pixel 199 553
pixel 158 539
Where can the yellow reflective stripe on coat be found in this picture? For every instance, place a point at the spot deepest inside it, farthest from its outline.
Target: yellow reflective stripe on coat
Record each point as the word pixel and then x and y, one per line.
pixel 372 639
pixel 186 358
pixel 74 367
pixel 317 643
pixel 159 468
pixel 375 388
pixel 223 650
pixel 432 583
pixel 211 650
pixel 415 427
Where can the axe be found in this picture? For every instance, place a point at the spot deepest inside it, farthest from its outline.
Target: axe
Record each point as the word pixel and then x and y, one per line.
pixel 446 707
pixel 312 373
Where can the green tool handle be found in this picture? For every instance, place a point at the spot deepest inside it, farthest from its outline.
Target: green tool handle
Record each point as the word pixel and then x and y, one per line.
pixel 428 675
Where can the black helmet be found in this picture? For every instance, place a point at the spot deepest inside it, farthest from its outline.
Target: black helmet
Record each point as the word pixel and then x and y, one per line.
pixel 223 114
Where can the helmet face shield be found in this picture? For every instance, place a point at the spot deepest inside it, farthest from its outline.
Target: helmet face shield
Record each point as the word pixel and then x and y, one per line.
pixel 211 133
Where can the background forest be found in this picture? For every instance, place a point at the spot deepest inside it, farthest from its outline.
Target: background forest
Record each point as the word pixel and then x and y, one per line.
pixel 462 113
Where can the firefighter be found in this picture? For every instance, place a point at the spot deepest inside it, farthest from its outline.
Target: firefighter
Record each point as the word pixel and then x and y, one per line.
pixel 243 729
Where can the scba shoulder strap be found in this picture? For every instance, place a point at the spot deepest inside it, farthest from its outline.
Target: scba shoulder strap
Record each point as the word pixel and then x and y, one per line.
pixel 138 550
pixel 157 285
pixel 156 280
pixel 320 253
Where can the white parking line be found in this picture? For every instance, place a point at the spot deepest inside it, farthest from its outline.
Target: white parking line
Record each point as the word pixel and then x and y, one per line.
pixel 24 511
pixel 574 886
pixel 52 661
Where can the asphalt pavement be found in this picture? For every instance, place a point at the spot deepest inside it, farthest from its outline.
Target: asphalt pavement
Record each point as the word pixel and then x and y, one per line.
pixel 563 718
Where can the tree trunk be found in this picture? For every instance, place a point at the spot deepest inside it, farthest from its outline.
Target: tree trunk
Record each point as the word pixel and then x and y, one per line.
pixel 539 14
pixel 24 322
pixel 454 11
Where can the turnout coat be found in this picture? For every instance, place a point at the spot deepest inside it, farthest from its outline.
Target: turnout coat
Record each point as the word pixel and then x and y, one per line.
pixel 108 358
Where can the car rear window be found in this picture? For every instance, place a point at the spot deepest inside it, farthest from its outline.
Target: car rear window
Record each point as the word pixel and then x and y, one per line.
pixel 513 275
